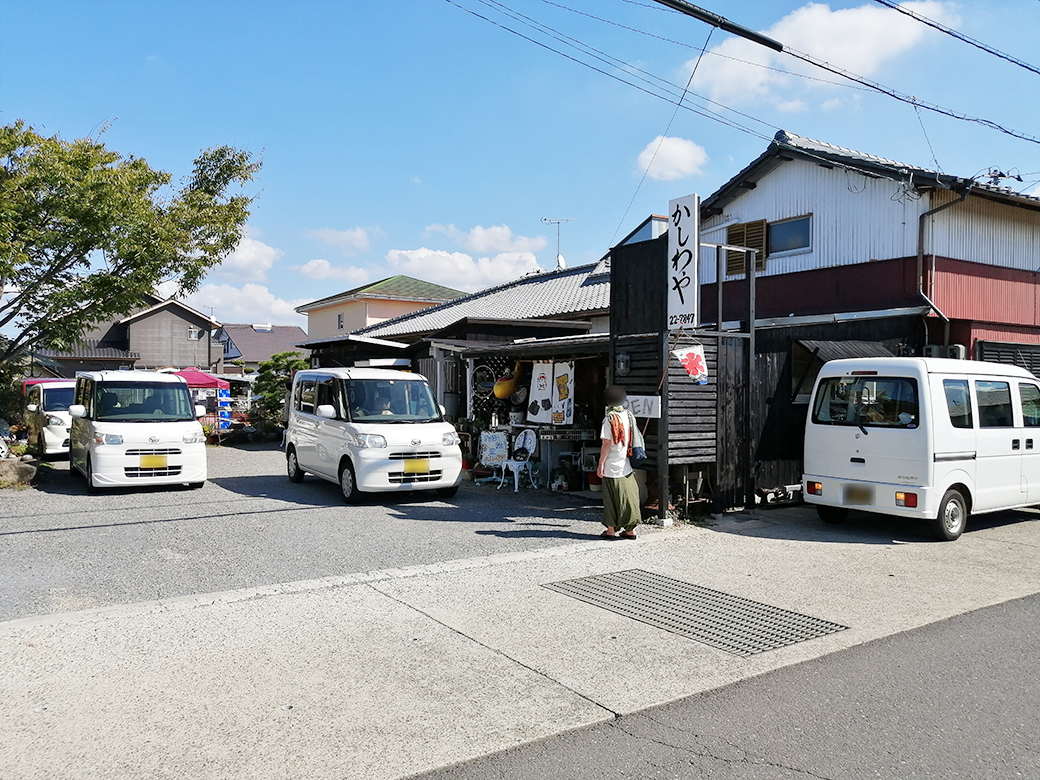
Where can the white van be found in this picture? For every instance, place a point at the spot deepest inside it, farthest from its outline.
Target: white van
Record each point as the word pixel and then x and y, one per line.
pixel 925 438
pixel 370 430
pixel 48 418
pixel 133 428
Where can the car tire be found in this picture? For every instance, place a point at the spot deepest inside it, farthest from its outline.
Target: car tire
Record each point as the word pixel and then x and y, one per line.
pixel 348 483
pixel 832 514
pixel 292 465
pixel 952 518
pixel 448 492
pixel 88 475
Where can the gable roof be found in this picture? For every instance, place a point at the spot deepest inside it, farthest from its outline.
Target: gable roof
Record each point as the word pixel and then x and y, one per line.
pixel 168 303
pixel 560 293
pixel 257 346
pixel 786 147
pixel 405 288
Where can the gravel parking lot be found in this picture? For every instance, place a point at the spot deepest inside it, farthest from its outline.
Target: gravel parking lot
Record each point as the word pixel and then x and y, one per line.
pixel 63 550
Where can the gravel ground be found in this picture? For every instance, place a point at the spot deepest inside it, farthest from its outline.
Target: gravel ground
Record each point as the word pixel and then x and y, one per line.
pixel 63 550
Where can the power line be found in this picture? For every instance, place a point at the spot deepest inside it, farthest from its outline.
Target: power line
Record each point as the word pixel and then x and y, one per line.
pixel 707 16
pixel 959 36
pixel 706 114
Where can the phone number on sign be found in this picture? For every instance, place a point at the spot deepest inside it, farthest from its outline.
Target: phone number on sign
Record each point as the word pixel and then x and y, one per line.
pixel 682 319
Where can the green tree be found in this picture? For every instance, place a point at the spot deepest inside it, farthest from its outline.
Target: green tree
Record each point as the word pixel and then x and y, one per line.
pixel 85 234
pixel 273 382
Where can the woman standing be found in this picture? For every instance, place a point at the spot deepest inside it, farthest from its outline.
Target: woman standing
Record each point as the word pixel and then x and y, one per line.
pixel 620 491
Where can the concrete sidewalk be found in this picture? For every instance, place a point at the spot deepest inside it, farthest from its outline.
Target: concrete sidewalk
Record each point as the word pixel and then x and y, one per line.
pixel 387 674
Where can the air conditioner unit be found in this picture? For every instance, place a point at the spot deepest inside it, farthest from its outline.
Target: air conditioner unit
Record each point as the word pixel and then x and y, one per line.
pixel 957 351
pixel 932 350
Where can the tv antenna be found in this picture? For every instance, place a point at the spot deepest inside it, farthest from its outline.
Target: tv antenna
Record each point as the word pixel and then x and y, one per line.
pixel 560 262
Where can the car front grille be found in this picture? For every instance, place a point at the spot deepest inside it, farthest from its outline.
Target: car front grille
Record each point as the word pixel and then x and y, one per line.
pixel 169 451
pixel 400 478
pixel 413 455
pixel 168 471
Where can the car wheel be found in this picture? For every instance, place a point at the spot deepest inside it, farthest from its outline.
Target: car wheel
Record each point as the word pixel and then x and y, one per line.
pixel 348 484
pixel 292 466
pixel 952 518
pixel 447 492
pixel 89 476
pixel 832 514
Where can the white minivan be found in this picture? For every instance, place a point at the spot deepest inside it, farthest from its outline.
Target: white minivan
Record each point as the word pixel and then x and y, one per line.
pixel 132 428
pixel 370 430
pixel 926 438
pixel 48 418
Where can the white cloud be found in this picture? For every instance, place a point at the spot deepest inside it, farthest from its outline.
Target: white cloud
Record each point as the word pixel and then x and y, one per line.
pixel 250 303
pixel 323 269
pixel 461 271
pixel 675 158
pixel 860 40
pixel 497 238
pixel 250 262
pixel 346 241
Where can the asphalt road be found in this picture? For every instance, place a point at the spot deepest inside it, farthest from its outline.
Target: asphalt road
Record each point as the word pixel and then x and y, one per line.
pixel 955 699
pixel 63 550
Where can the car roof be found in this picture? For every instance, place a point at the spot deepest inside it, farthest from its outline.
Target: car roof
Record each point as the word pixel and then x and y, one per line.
pixel 363 373
pixel 133 376
pixel 927 365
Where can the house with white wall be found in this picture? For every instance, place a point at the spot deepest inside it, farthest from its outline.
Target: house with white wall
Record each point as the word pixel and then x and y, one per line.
pixel 840 231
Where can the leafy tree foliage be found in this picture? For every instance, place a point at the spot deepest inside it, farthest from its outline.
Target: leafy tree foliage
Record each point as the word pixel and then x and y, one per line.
pixel 85 234
pixel 274 381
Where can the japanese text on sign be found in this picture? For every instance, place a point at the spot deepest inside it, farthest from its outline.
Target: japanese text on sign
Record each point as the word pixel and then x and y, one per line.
pixel 683 244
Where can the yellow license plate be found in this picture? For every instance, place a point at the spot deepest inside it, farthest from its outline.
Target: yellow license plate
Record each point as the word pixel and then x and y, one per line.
pixel 153 461
pixel 417 466
pixel 858 495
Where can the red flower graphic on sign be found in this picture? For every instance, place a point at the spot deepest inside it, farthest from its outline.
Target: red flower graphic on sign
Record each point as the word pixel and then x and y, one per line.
pixel 694 363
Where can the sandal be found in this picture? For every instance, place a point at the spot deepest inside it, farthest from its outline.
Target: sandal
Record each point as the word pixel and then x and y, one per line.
pixel 608 535
pixel 627 535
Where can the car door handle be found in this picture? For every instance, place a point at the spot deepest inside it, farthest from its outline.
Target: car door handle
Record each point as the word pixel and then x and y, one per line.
pixel 1016 444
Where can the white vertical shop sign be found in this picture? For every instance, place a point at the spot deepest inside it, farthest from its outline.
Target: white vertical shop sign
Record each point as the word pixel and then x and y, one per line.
pixel 684 220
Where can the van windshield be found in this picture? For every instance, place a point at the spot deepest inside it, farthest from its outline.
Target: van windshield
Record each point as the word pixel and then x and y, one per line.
pixel 391 401
pixel 57 399
pixel 867 401
pixel 117 401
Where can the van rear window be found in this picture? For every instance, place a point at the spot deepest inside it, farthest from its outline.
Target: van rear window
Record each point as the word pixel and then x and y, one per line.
pixel 867 401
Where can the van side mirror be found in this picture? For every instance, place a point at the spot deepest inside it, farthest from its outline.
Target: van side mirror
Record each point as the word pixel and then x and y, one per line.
pixel 31 407
pixel 443 410
pixel 328 411
pixel 199 410
pixel 78 410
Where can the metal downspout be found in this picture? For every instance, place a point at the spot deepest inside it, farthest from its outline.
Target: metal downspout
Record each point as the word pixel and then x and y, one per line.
pixel 920 262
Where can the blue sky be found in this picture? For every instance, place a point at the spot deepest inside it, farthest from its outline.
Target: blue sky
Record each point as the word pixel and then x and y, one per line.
pixel 413 136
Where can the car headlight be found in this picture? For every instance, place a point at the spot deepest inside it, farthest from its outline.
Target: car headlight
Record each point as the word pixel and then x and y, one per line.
pixel 55 421
pixel 192 437
pixel 373 440
pixel 108 438
pixel 450 438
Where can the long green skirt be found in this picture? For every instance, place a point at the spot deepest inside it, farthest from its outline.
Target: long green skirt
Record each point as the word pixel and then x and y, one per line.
pixel 621 502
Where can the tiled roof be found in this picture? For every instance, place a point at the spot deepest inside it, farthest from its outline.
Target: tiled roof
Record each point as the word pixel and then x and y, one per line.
pixel 259 345
pixel 91 349
pixel 398 287
pixel 539 296
pixel 785 144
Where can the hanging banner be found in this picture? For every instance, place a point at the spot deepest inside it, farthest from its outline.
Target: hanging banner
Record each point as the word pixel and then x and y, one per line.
pixel 693 361
pixel 540 398
pixel 563 394
pixel 682 282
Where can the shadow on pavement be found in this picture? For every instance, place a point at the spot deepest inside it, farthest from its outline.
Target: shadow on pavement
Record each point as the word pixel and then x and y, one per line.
pixel 800 523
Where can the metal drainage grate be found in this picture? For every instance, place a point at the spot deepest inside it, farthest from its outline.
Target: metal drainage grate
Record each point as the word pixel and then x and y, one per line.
pixel 731 623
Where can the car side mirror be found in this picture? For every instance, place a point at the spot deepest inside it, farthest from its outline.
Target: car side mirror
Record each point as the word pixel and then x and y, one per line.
pixel 32 407
pixel 199 410
pixel 328 411
pixel 443 410
pixel 78 410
